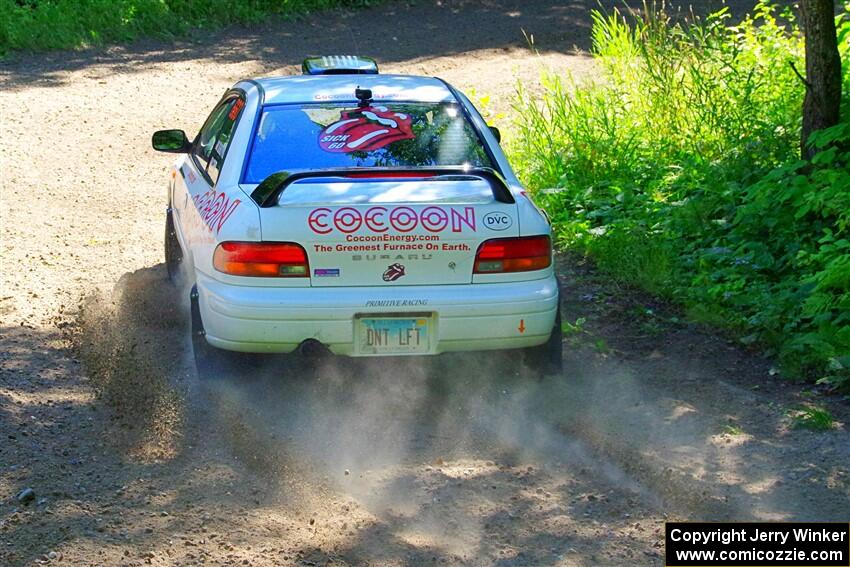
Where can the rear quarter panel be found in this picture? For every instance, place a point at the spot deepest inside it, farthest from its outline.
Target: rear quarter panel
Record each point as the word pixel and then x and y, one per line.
pixel 206 215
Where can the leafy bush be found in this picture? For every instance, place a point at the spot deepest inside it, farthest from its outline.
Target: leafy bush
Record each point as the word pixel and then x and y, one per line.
pixel 789 238
pixel 812 417
pixel 677 170
pixel 62 24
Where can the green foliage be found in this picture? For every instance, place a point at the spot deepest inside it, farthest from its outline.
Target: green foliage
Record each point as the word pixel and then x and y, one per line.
pixel 812 417
pixel 601 346
pixel 572 329
pixel 677 170
pixel 787 272
pixel 63 24
pixel 732 429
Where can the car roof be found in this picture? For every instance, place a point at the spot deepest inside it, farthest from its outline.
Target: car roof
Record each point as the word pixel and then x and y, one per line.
pixel 317 88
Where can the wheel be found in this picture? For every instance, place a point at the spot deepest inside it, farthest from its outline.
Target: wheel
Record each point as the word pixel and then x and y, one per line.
pixel 173 252
pixel 547 359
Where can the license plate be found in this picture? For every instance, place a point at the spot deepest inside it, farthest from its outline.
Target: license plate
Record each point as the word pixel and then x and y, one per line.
pixel 394 335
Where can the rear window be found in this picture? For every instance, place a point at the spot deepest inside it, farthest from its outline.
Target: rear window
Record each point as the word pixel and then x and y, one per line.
pixel 384 134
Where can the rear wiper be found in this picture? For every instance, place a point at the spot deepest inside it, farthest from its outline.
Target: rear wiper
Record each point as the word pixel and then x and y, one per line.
pixel 267 192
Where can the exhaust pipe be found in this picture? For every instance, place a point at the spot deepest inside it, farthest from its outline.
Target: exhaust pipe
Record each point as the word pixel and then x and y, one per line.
pixel 312 348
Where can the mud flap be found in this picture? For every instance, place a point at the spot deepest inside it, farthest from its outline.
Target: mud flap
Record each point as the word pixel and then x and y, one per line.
pixel 197 323
pixel 173 252
pixel 199 343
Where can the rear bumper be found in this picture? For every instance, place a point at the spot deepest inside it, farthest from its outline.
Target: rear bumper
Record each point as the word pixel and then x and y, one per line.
pixel 466 317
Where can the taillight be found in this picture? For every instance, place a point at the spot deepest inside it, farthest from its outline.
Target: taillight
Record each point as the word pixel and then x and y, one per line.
pixel 513 255
pixel 389 175
pixel 262 259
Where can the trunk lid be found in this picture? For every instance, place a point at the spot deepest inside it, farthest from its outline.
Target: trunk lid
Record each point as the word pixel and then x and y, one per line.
pixel 394 232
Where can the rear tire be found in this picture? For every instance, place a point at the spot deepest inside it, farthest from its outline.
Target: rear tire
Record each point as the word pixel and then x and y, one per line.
pixel 173 252
pixel 547 359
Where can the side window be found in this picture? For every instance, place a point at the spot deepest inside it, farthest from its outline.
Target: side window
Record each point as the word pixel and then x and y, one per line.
pixel 215 136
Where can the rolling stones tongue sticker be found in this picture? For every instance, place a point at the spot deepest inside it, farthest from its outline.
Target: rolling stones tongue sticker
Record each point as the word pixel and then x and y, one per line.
pixel 365 129
pixel 393 272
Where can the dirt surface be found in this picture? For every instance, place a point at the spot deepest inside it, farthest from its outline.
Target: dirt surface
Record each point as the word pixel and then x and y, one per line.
pixel 133 461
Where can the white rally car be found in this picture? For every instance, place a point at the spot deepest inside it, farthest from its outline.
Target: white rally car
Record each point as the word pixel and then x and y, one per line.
pixel 365 214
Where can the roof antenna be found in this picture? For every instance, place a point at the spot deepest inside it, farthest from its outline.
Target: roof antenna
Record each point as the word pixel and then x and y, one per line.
pixel 364 96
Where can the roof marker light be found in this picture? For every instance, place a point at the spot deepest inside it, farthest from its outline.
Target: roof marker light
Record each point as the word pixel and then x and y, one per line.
pixel 339 65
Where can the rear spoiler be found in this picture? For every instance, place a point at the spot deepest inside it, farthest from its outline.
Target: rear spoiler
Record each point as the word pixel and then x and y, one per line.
pixel 267 192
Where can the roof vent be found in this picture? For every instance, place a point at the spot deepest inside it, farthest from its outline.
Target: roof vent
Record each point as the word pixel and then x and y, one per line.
pixel 339 65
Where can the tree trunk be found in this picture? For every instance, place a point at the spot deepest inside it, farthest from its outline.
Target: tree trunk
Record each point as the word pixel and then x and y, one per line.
pixel 823 70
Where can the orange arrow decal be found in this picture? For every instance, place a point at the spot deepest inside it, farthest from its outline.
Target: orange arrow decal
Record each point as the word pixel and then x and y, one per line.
pixel 522 325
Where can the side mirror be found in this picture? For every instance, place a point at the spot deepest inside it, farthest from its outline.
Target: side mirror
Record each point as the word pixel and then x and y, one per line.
pixel 496 133
pixel 171 141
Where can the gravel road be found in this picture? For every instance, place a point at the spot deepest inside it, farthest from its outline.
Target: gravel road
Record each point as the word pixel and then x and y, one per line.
pixel 132 461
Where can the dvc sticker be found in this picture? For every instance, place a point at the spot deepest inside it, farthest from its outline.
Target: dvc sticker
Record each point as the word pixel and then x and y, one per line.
pixel 498 221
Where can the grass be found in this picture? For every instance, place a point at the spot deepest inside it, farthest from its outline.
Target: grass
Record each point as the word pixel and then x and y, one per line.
pixel 676 170
pixel 68 24
pixel 812 417
pixel 572 329
pixel 733 430
pixel 601 346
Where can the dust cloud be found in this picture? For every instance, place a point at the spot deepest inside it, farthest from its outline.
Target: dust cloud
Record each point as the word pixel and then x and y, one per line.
pixel 446 450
